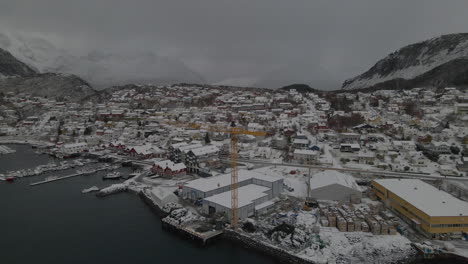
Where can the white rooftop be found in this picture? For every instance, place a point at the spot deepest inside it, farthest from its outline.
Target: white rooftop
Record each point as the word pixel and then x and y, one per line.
pixel 211 183
pixel 425 197
pixel 326 178
pixel 305 152
pixel 247 194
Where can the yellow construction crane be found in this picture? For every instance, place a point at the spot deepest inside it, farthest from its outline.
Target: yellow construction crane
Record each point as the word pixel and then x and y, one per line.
pixel 233 157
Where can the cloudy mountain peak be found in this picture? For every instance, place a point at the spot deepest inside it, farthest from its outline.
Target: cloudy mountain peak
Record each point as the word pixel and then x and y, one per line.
pixel 100 68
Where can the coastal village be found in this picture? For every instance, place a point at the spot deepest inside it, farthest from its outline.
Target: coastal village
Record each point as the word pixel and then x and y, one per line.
pixel 319 177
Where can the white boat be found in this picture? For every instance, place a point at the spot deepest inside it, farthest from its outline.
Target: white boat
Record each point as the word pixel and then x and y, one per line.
pixel 112 176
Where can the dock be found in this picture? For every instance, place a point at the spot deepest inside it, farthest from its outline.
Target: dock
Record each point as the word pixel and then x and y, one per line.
pixel 64 177
pixel 186 230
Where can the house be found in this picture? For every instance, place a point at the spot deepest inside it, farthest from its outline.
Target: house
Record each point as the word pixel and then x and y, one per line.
pixel 416 159
pixel 145 152
pixel 280 142
pixel 300 143
pixel 169 169
pixel 404 145
pixel 461 109
pixel 366 157
pixel 439 148
pixel 335 186
pixel 74 148
pixel 200 157
pixel 463 164
pixel 448 170
pixel 306 156
pixel 364 127
pixel 350 147
pixel 349 137
pixel 425 207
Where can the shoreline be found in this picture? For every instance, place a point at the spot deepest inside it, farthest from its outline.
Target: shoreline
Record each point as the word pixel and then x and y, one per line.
pixel 246 242
pixel 276 254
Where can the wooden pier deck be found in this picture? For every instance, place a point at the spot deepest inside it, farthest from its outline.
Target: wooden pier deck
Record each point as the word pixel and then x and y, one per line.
pixel 64 177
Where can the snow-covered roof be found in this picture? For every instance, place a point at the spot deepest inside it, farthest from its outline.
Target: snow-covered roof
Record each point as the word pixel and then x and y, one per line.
pixel 186 148
pixel 403 143
pixel 306 152
pixel 75 145
pixel 247 194
pixel 425 197
pixel 168 164
pixel 205 150
pixel 326 178
pixel 301 141
pixel 211 183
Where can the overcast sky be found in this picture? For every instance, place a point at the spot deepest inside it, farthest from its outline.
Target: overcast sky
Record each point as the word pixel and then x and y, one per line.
pixel 223 39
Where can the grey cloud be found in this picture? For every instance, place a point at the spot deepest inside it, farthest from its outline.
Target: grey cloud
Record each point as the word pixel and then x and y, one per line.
pixel 225 39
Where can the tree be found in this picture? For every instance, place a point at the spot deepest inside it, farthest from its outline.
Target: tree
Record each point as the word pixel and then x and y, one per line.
pixel 88 131
pixel 207 138
pixel 411 108
pixel 455 150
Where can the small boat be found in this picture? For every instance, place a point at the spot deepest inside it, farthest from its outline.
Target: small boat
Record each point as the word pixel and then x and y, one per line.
pixel 9 179
pixel 112 176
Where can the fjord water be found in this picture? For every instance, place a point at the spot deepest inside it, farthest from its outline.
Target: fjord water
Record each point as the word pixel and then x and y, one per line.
pixel 55 224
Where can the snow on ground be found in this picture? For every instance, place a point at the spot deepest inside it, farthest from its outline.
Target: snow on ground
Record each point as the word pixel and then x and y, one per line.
pixel 296 181
pixel 357 247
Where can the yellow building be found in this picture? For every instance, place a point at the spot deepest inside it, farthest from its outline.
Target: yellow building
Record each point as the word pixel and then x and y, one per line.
pixel 428 209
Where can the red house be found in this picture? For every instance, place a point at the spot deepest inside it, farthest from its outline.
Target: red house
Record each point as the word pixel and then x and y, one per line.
pixel 169 169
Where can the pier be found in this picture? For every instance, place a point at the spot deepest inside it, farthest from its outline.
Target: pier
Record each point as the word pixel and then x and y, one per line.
pixel 188 231
pixel 65 177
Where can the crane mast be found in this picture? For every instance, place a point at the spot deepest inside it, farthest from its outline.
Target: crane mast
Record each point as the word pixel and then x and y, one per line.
pixel 234 182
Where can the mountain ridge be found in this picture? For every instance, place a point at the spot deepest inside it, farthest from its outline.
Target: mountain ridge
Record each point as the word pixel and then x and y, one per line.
pixel 412 64
pixel 12 67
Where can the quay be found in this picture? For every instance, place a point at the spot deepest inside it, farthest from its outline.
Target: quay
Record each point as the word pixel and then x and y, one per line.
pixel 186 230
pixel 65 177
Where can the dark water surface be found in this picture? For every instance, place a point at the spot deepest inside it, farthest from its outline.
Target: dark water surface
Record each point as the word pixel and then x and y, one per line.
pixel 56 223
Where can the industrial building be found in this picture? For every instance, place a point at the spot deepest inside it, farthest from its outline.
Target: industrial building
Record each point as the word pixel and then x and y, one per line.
pixel 428 209
pixel 256 190
pixel 334 186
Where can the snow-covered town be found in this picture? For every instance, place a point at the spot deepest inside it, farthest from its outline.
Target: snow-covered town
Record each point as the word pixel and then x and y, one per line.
pixel 316 177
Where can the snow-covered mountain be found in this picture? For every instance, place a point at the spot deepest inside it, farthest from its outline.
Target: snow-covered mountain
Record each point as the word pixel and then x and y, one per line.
pixel 17 77
pixel 12 67
pixel 436 62
pixel 99 68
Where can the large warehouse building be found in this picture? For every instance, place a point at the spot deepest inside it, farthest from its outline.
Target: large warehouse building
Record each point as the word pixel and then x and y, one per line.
pixel 256 190
pixel 428 209
pixel 335 186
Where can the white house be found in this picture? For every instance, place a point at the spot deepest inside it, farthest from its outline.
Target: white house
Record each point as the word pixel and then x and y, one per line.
pixel 69 149
pixel 306 156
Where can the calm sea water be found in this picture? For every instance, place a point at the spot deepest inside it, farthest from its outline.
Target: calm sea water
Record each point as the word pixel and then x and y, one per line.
pixel 56 223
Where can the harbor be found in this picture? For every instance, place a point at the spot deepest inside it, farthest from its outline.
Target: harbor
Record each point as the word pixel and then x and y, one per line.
pixel 175 232
pixel 54 179
pixel 66 219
